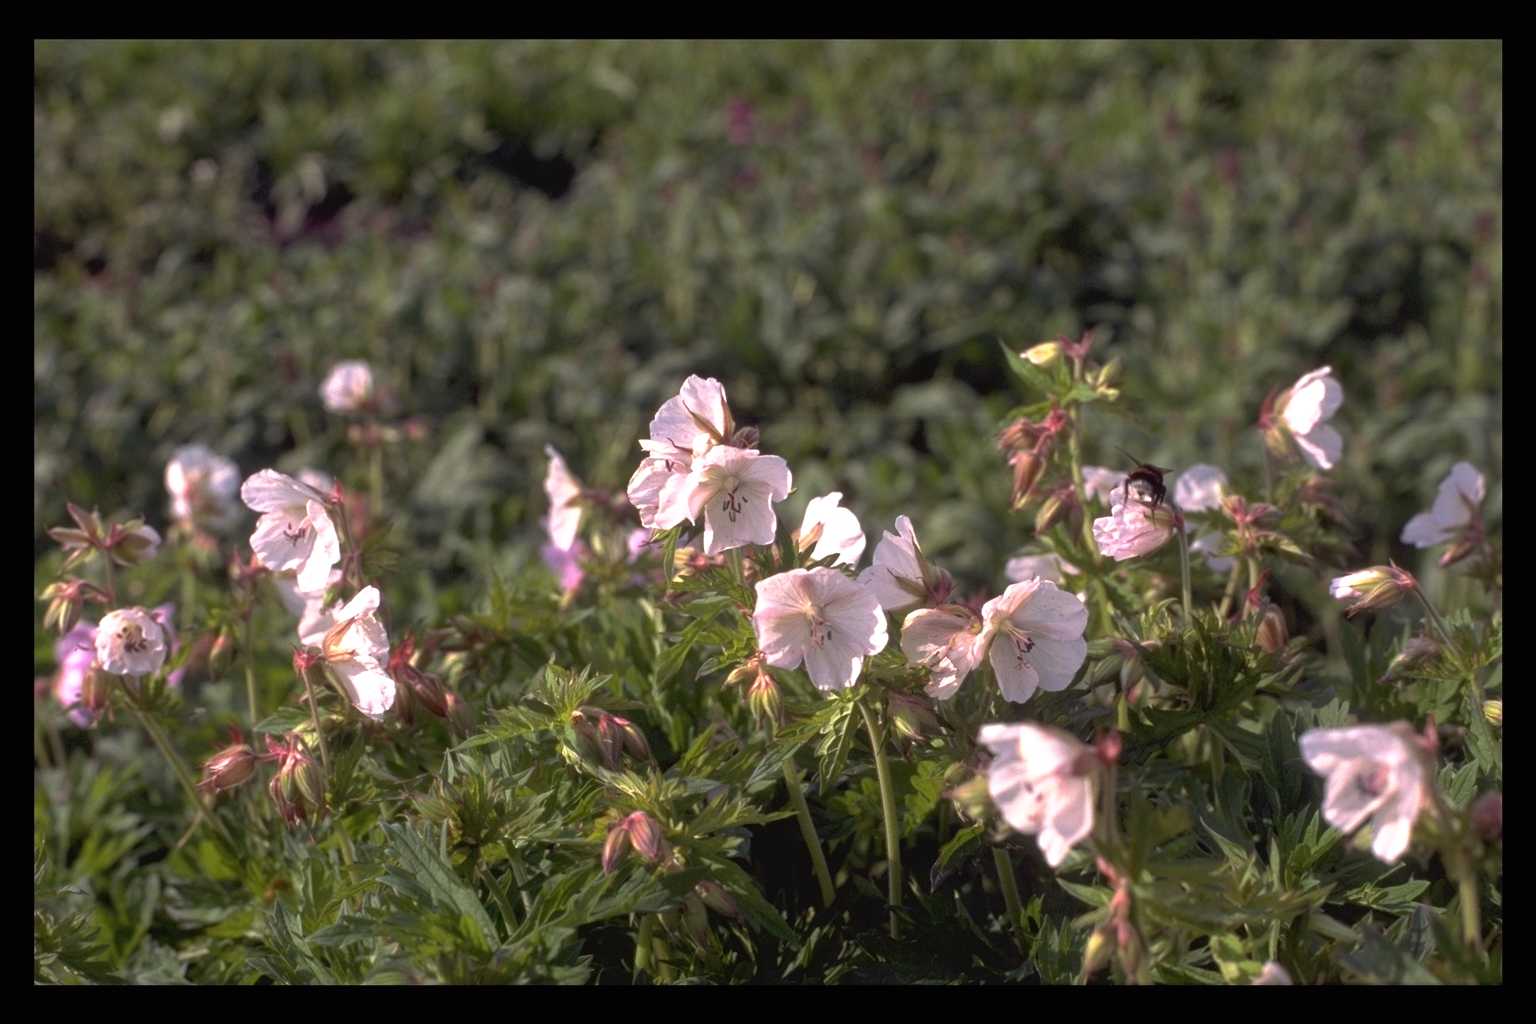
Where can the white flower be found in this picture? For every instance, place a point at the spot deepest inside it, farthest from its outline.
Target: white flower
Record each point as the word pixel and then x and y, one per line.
pixel 1098 481
pixel 734 490
pixel 357 649
pixel 1131 528
pixel 1041 780
pixel 294 531
pixel 1033 636
pixel 323 483
pixel 564 492
pixel 900 577
pixel 821 617
pixel 943 640
pixel 1205 545
pixel 1379 772
pixel 1199 488
pixel 1273 974
pixel 1461 492
pixel 662 462
pixel 348 387
pixel 129 642
pixel 834 530
pixel 76 653
pixel 697 419
pixel 1047 567
pixel 1312 401
pixel 315 617
pixel 202 486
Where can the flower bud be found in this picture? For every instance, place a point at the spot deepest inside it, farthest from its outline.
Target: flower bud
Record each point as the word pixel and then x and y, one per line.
pixel 717 898
pixel 1027 468
pixel 132 542
pixel 764 700
pixel 1372 589
pixel 582 737
pixel 1486 816
pixel 228 768
pixel 614 846
pixel 1416 651
pixel 222 651
pixel 696 919
pixel 1272 636
pixel 746 437
pixel 645 836
pixel 1060 503
pixel 96 691
pixel 632 738
pixel 911 716
pixel 1097 953
pixel 65 599
pixel 1109 374
pixel 1018 435
pixel 461 717
pixel 1043 354
pixel 1463 547
pixel 1493 710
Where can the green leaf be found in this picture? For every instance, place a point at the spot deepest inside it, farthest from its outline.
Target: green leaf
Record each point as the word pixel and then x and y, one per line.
pixel 419 862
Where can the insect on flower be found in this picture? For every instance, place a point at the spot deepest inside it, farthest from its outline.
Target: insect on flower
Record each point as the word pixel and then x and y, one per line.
pixel 1145 483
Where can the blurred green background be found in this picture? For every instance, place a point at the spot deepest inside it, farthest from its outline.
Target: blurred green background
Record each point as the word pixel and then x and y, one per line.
pixel 536 242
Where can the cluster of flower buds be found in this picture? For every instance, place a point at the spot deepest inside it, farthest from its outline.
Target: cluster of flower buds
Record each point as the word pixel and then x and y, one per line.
pixel 763 695
pixel 65 599
pixel 602 737
pixel 639 831
pixel 1373 589
pixel 230 767
pixel 1117 935
pixel 1028 446
pixel 1272 634
pixel 298 788
pixel 126 543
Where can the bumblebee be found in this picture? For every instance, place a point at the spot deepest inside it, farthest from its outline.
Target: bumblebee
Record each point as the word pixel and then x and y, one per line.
pixel 1145 482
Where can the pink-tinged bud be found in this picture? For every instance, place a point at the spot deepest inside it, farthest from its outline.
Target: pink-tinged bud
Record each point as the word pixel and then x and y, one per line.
pixel 1272 635
pixel 96 690
pixel 645 836
pixel 88 522
pixel 764 699
pixel 1486 817
pixel 633 739
pixel 911 716
pixel 227 769
pixel 1372 589
pixel 461 717
pixel 1459 550
pixel 614 846
pixel 1019 435
pixel 1078 350
pixel 1060 503
pixel 610 742
pixel 696 919
pixel 65 600
pixel 1027 468
pixel 748 669
pixel 717 899
pixel 298 788
pixel 132 542
pixel 222 651
pixel 1108 747
pixel 582 737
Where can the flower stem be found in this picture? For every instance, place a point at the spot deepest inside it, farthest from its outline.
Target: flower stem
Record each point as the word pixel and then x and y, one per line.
pixel 1269 483
pixel 1010 887
pixel 376 480
pixel 888 810
pixel 314 716
pixel 1231 591
pixel 179 768
pixel 249 657
pixel 1434 616
pixel 1075 453
pixel 111 580
pixel 808 833
pixel 1471 911
pixel 1185 590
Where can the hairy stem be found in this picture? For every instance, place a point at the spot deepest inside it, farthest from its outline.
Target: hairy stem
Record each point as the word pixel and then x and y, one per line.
pixel 808 833
pixel 1075 454
pixel 314 716
pixel 1010 887
pixel 179 768
pixel 1232 580
pixel 892 822
pixel 249 657
pixel 1184 587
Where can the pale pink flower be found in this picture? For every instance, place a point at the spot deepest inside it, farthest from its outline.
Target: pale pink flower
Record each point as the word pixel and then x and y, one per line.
pixel 1041 779
pixel 1461 492
pixel 202 485
pixel 1380 586
pixel 76 653
pixel 635 543
pixel 1311 402
pixel 821 617
pixel 1099 481
pixel 1047 567
pixel 733 490
pixel 357 649
pixel 943 640
pixel 565 563
pixel 697 419
pixel 1206 545
pixel 662 462
pixel 294 532
pixel 1033 636
pixel 323 483
pixel 1273 974
pixel 901 577
pixel 129 642
pixel 348 387
pixel 315 616
pixel 1132 528
pixel 1199 488
pixel 165 614
pixel 1380 772
pixel 833 530
pixel 564 492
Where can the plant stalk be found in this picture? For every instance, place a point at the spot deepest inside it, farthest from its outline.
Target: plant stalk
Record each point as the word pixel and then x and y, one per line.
pixel 892 822
pixel 182 772
pixel 1010 887
pixel 808 833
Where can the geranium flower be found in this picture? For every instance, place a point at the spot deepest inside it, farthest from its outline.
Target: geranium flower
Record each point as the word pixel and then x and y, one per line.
pixel 1461 492
pixel 1380 586
pixel 294 531
pixel 662 462
pixel 348 387
pixel 821 617
pixel 1041 779
pixel 901 577
pixel 1206 545
pixel 565 563
pixel 564 492
pixel 1099 481
pixel 733 489
pixel 76 653
pixel 1380 772
pixel 1305 410
pixel 1047 567
pixel 129 642
pixel 315 616
pixel 1273 974
pixel 943 640
pixel 1132 528
pixel 1033 637
pixel 1199 488
pixel 697 419
pixel 202 486
pixel 833 530
pixel 165 615
pixel 357 649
